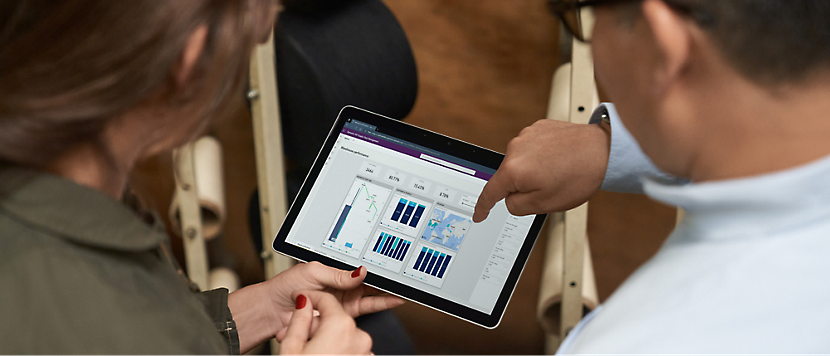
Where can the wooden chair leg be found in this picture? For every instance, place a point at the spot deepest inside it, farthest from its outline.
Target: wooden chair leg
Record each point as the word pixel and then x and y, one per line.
pixel 568 278
pixel 269 156
pixel 190 216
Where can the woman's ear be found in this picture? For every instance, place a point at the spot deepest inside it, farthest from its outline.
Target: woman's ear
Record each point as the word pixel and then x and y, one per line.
pixel 672 40
pixel 193 49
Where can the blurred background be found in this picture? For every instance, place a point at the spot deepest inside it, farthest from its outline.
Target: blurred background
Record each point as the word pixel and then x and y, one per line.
pixel 484 73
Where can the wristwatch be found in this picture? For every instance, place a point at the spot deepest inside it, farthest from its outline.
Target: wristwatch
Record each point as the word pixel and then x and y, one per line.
pixel 600 115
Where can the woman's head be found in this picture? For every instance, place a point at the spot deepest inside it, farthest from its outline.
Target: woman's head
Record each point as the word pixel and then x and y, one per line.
pixel 68 68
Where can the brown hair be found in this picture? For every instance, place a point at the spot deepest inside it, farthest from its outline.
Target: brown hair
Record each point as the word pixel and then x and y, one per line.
pixel 68 67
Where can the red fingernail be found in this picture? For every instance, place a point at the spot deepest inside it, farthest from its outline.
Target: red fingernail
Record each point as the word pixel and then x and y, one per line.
pixel 301 301
pixel 356 272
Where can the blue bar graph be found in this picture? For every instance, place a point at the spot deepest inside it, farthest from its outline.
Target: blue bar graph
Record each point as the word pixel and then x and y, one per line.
pixel 375 249
pixel 438 264
pixel 432 262
pixel 399 249
pixel 340 222
pixel 403 250
pixel 391 246
pixel 394 245
pixel 444 267
pixel 420 258
pixel 417 216
pixel 385 243
pixel 395 248
pixel 380 241
pixel 399 209
pixel 407 213
pixel 425 262
pixel 386 238
pixel 399 253
pixel 388 244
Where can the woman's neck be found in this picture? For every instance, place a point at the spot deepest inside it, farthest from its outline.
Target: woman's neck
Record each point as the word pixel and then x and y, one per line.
pixel 90 165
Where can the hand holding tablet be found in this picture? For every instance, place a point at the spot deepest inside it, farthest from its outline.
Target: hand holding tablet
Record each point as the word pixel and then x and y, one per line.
pixel 399 200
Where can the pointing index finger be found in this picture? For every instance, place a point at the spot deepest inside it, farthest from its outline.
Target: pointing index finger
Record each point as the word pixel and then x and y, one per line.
pixel 498 188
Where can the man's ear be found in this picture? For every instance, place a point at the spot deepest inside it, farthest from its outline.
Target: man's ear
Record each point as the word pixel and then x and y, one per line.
pixel 190 55
pixel 672 41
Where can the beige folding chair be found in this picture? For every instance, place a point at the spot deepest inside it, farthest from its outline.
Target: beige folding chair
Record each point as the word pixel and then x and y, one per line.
pixel 270 177
pixel 269 156
pixel 568 287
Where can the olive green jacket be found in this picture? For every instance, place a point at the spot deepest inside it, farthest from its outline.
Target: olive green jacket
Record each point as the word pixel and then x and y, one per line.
pixel 83 273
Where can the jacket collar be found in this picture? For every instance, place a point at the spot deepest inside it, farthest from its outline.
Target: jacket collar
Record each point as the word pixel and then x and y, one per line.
pixel 74 212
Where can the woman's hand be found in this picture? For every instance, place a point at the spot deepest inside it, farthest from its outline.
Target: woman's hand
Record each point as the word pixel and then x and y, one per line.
pixel 335 333
pixel 262 310
pixel 346 286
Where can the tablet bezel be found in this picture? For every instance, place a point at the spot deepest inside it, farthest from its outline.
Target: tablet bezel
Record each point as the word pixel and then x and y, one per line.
pixel 431 140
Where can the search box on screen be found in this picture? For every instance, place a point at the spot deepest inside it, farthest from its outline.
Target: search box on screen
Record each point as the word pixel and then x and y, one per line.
pixel 447 164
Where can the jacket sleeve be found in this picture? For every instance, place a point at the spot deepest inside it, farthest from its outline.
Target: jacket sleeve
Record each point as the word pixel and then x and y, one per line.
pixel 627 164
pixel 216 306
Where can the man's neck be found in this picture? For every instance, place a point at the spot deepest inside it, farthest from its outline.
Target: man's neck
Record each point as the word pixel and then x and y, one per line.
pixel 761 130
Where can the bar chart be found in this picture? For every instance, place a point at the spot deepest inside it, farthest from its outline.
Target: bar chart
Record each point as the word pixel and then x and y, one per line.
pixel 388 251
pixel 405 214
pixel 357 217
pixel 430 266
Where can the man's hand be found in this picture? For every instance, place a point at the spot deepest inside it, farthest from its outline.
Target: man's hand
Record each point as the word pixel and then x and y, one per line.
pixel 551 166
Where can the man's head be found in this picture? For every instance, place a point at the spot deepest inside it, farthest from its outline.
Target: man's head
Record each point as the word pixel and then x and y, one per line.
pixel 772 42
pixel 685 74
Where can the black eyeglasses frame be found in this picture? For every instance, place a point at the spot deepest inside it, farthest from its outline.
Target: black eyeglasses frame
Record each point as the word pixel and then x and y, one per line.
pixel 561 7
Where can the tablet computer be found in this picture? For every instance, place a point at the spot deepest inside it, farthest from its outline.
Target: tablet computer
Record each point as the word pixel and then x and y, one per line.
pixel 399 200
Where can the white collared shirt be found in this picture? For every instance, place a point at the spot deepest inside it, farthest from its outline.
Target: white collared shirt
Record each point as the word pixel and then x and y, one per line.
pixel 747 271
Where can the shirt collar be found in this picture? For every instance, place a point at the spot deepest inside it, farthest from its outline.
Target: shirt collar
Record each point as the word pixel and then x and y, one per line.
pixel 750 206
pixel 74 212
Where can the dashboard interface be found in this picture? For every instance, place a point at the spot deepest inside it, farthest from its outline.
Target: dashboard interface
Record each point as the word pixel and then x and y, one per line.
pixel 404 211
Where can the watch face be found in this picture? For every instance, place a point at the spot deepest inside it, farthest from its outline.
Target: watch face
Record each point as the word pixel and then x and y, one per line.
pixel 605 117
pixel 601 115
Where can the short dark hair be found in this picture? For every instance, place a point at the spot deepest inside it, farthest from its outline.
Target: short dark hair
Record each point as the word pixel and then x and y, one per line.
pixel 771 42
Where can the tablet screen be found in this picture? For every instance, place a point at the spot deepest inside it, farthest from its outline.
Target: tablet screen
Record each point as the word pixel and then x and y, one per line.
pixel 385 201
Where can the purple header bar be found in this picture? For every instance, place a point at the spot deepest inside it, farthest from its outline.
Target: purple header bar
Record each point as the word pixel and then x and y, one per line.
pixel 407 151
